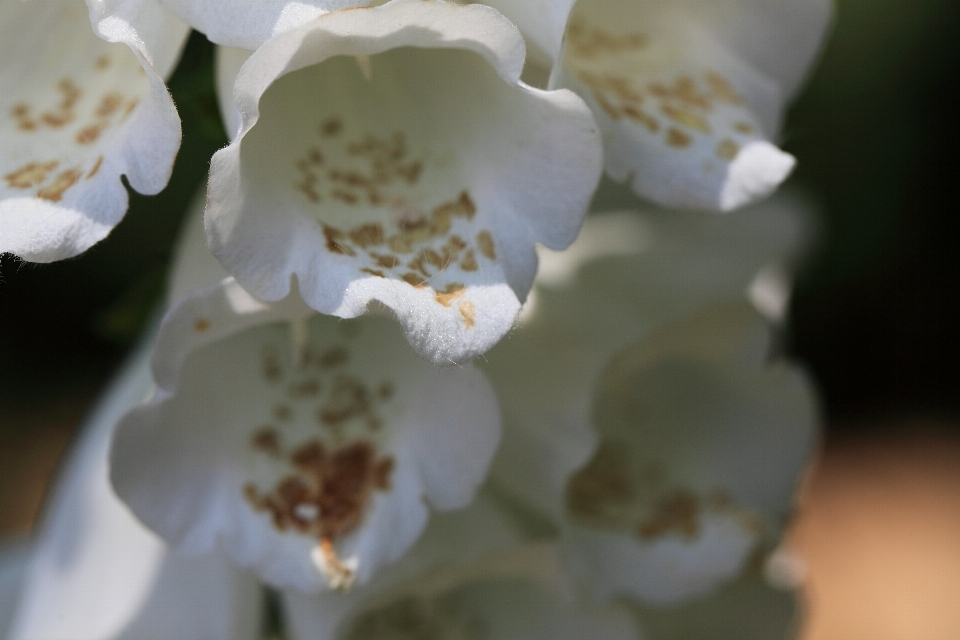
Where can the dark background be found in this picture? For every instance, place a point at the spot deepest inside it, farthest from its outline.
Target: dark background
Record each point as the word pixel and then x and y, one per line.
pixel 877 133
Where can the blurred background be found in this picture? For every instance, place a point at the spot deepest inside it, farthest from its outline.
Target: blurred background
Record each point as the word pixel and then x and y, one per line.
pixel 875 317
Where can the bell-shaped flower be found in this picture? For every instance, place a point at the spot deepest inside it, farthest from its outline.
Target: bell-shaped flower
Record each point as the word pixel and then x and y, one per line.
pixel 629 283
pixel 469 577
pixel 701 446
pixel 79 115
pixel 688 93
pixel 391 154
pixel 94 571
pixel 301 446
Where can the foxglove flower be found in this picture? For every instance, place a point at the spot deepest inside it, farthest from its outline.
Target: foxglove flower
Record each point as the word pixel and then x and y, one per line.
pixel 421 177
pixel 688 93
pixel 647 406
pixel 306 448
pixel 77 116
pixel 94 571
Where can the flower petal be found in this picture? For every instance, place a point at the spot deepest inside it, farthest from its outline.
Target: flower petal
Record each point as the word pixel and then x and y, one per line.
pixel 543 22
pixel 75 118
pixel 96 572
pixel 701 448
pixel 685 120
pixel 424 188
pixel 291 450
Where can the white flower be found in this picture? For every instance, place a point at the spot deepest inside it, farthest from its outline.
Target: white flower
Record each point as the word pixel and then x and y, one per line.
pixel 94 571
pixel 76 116
pixel 308 449
pixel 420 178
pixel 688 93
pixel 597 320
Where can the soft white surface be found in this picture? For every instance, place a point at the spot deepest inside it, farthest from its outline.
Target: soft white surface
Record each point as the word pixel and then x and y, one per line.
pixel 81 114
pixel 445 104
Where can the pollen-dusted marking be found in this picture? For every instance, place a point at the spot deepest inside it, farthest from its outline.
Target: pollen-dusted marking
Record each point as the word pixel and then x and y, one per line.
pixel 64 180
pixel 453 291
pixel 30 175
pixel 467 312
pixel 727 149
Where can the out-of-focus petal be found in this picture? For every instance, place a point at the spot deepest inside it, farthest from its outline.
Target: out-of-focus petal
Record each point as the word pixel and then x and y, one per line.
pixel 77 116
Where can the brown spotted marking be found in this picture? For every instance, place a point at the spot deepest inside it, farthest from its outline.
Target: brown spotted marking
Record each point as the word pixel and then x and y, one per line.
pixel 677 513
pixel 102 63
pixel 373 272
pixel 469 262
pixel 678 139
pixel 91 133
pixel 722 89
pixel 270 367
pixel 30 175
pixel 745 128
pixel 331 127
pixel 348 399
pixel 64 180
pixel 414 280
pixel 336 241
pixel 642 117
pixel 201 325
pixel 686 118
pixel 590 42
pixel 329 492
pixel 333 358
pixel 266 440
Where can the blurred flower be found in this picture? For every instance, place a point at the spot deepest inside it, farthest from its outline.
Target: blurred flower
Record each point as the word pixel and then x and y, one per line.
pixel 78 116
pixel 420 178
pixel 641 417
pixel 687 93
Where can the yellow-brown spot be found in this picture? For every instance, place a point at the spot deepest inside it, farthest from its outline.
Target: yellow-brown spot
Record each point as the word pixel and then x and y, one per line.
pixel 469 262
pixel 590 42
pixel 55 190
pixel 331 127
pixel 91 133
pixel 347 399
pixel 30 175
pixel 385 261
pixel 744 128
pixel 201 325
pixel 333 358
pixel 727 149
pixel 642 117
pixel 486 246
pixel 367 235
pixel 467 312
pixel 102 62
pixel 678 139
pixel 109 104
pixel 686 118
pixel 453 291
pixel 373 272
pixel 722 89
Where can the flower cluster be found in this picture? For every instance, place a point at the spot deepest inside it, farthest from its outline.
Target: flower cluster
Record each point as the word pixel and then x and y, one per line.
pixel 431 364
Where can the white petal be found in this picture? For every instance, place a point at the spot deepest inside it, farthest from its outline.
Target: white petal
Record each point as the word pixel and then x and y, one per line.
pixel 246 422
pixel 424 188
pixel 75 118
pixel 517 595
pixel 194 267
pixel 701 448
pixel 543 22
pixel 96 572
pixel 685 120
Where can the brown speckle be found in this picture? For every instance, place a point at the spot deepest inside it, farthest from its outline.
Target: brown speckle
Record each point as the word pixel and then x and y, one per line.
pixel 332 358
pixel 686 118
pixel 91 133
pixel 469 262
pixel 744 128
pixel 486 246
pixel 96 167
pixel 336 241
pixel 201 325
pixel 266 440
pixel 386 261
pixel 374 272
pixel 414 279
pixel 642 117
pixel 722 89
pixel 366 235
pixel 102 62
pixel 677 513
pixel 331 127
pixel 678 139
